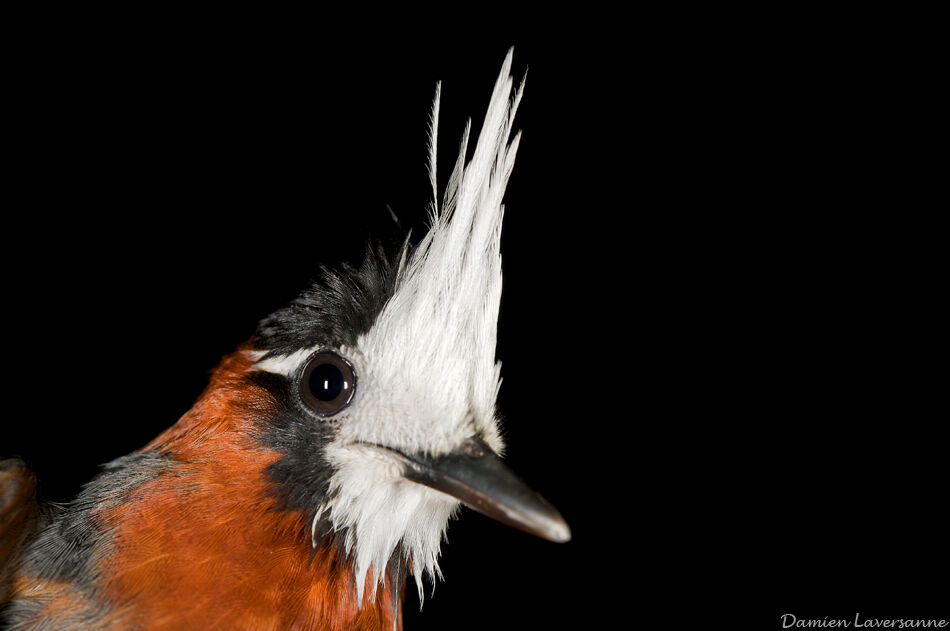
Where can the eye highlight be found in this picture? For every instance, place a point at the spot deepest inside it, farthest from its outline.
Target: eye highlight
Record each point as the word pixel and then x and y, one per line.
pixel 328 383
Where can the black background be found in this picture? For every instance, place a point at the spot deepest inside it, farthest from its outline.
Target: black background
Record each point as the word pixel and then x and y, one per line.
pixel 717 311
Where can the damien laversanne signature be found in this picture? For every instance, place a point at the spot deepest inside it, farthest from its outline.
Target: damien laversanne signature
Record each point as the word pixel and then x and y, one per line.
pixel 791 621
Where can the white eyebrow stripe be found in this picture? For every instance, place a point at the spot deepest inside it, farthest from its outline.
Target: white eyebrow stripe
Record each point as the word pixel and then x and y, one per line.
pixel 286 365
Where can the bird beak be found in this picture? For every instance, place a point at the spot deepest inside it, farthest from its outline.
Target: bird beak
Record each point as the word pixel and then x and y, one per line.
pixel 477 477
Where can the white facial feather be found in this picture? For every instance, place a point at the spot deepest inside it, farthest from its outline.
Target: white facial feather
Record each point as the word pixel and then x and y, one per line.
pixel 382 510
pixel 428 379
pixel 433 345
pixel 286 365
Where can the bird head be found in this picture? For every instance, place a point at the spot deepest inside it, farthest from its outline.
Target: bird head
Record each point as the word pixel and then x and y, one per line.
pixel 387 379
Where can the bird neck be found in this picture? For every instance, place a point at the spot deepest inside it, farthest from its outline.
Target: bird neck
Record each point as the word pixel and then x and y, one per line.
pixel 208 565
pixel 210 545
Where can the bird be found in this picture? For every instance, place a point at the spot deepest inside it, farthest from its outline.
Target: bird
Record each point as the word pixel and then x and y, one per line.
pixel 318 471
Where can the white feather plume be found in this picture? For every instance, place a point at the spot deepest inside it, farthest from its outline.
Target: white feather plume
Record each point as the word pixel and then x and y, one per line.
pixel 428 375
pixel 429 360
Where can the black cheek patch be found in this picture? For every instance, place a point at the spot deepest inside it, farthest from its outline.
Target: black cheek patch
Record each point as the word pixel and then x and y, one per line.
pixel 302 475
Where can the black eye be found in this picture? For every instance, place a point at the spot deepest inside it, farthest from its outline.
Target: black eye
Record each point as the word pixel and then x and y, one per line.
pixel 328 383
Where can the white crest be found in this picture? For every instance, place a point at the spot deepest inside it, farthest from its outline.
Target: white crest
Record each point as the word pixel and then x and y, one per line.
pixel 435 339
pixel 427 370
